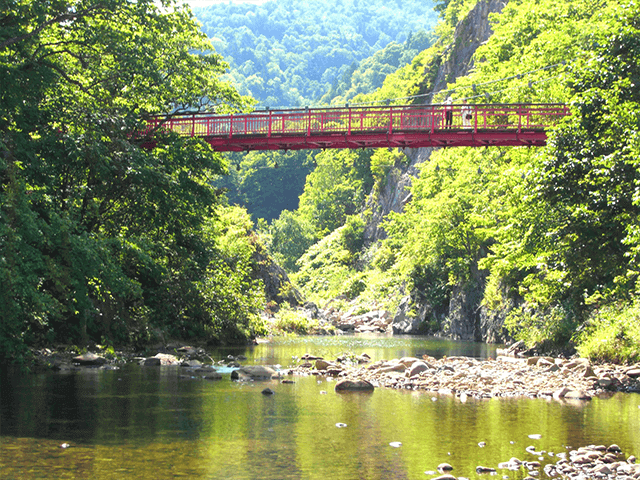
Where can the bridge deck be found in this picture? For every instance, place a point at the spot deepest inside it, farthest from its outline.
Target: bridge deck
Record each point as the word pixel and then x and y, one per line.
pixel 371 127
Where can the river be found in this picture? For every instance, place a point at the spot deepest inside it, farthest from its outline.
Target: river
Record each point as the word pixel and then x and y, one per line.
pixel 162 422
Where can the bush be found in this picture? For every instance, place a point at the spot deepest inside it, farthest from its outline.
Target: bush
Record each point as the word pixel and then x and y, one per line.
pixel 288 321
pixel 612 335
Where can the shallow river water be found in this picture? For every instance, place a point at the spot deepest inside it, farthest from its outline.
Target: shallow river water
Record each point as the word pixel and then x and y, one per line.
pixel 156 422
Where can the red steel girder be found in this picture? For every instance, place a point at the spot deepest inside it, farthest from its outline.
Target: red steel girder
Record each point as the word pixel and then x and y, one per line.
pixel 439 138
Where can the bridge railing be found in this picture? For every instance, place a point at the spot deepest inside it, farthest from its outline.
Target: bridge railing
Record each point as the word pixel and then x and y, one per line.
pixel 361 120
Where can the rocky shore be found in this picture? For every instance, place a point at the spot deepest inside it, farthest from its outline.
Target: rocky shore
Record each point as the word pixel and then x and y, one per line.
pixel 465 377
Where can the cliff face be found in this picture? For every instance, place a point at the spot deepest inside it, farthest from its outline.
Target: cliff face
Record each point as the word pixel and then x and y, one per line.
pixel 465 319
pixel 456 61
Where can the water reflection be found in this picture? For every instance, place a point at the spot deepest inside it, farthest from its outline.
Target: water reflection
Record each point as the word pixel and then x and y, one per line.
pixel 153 422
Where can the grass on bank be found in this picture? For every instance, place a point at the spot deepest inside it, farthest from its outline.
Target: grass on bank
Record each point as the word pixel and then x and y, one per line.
pixel 612 335
pixel 291 321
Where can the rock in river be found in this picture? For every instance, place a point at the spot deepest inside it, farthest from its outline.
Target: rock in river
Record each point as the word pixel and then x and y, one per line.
pixel 253 372
pixel 354 385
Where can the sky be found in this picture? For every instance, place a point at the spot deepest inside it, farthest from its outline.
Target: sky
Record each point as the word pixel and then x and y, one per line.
pixel 204 3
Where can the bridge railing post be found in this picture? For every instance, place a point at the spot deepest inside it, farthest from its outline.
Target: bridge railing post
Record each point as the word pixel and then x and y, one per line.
pixel 520 118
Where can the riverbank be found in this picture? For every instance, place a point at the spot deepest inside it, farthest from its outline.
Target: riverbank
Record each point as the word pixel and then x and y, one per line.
pixel 465 377
pixel 461 376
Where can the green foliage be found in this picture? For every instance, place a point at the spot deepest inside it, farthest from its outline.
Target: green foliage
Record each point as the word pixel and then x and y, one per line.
pixel 550 328
pixel 336 188
pixel 325 269
pixel 612 334
pixel 99 239
pixel 290 235
pixel 352 234
pixel 266 183
pixel 289 321
pixel 573 237
pixel 370 73
pixel 232 300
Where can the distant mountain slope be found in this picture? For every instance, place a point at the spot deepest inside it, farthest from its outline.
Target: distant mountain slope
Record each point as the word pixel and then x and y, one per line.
pixel 291 53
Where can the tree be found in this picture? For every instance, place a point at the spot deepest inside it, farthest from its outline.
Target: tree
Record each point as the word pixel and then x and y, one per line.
pixel 100 238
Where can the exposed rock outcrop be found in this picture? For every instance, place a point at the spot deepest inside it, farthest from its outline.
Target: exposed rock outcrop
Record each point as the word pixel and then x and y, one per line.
pixel 277 286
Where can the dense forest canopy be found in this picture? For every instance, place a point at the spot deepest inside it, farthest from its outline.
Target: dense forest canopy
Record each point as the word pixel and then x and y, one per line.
pixel 101 240
pixel 291 53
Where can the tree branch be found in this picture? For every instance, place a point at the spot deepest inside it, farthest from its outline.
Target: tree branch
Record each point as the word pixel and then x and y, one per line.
pixel 63 17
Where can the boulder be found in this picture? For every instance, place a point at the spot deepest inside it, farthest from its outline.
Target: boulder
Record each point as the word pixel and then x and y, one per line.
pixel 417 368
pixel 89 359
pixel 558 394
pixel 577 395
pixel 151 362
pixel 393 367
pixel 545 362
pixel 481 469
pixel 187 349
pixel 166 359
pixel 605 382
pixel 633 373
pixel 354 385
pixel 213 376
pixel 322 364
pixel 253 372
pixel 191 363
pixel 576 362
pixel 408 361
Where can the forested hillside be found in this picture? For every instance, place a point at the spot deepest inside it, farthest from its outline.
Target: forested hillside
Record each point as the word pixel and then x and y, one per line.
pixel 542 241
pixel 288 53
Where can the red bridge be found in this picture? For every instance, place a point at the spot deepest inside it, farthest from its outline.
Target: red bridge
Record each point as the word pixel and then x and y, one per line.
pixel 409 126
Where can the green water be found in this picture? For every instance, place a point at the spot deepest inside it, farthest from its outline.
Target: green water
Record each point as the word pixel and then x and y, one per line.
pixel 158 422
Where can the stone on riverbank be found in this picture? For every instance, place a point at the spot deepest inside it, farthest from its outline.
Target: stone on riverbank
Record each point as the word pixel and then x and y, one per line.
pixel 471 378
pixel 577 395
pixel 89 359
pixel 161 359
